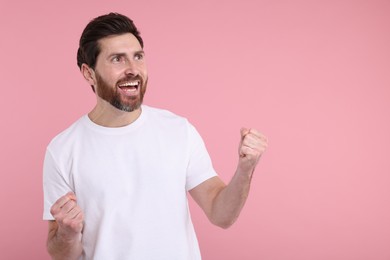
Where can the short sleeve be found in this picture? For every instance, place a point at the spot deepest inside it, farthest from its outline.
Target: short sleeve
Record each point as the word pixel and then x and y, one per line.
pixel 200 167
pixel 54 185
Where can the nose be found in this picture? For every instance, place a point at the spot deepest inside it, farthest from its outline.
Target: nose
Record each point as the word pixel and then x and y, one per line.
pixel 131 69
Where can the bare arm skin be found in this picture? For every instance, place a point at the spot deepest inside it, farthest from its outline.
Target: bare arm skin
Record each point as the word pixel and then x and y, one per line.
pixel 223 203
pixel 65 232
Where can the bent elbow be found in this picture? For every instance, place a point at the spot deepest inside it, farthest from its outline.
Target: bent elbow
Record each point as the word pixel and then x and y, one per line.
pixel 224 224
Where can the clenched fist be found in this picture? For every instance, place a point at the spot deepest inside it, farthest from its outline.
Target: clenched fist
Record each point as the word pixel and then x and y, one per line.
pixel 252 146
pixel 68 215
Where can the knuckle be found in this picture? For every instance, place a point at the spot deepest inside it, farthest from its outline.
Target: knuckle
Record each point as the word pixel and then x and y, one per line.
pixel 66 221
pixel 73 225
pixel 76 225
pixel 53 211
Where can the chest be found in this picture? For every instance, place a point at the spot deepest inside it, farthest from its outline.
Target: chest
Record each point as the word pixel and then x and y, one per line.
pixel 135 166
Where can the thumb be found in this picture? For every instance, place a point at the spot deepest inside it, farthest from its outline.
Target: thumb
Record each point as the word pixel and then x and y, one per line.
pixel 71 196
pixel 244 131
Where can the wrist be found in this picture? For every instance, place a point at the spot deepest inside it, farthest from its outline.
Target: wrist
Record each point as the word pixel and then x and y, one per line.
pixel 68 237
pixel 245 172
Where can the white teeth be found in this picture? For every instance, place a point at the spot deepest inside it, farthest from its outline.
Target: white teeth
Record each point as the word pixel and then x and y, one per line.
pixel 127 84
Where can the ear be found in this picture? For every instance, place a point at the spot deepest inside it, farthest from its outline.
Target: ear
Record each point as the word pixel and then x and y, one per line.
pixel 89 74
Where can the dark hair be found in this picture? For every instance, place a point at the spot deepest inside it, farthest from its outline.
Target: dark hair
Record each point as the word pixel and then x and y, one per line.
pixel 98 28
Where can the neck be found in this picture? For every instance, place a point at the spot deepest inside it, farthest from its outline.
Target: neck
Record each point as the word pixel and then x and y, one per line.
pixel 110 116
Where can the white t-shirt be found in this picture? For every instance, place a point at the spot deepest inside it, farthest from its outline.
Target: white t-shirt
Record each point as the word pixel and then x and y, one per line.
pixel 131 183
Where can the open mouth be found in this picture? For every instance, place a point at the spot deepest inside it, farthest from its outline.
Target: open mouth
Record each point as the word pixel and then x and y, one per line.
pixel 129 86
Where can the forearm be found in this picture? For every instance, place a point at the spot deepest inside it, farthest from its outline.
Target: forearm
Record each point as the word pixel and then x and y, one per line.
pixel 61 247
pixel 230 200
pixel 223 203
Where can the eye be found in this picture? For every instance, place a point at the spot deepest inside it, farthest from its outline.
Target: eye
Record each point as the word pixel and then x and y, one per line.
pixel 138 56
pixel 116 59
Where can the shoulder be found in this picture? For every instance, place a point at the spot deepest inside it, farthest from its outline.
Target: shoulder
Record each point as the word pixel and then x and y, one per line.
pixel 67 136
pixel 168 122
pixel 158 115
pixel 159 112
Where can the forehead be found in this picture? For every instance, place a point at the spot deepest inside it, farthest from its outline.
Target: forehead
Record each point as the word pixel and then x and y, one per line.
pixel 119 43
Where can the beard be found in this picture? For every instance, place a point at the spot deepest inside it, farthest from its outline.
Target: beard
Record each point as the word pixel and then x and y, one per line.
pixel 114 97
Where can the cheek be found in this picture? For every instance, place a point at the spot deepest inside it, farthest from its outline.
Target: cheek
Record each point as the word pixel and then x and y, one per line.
pixel 110 79
pixel 144 72
pixel 110 74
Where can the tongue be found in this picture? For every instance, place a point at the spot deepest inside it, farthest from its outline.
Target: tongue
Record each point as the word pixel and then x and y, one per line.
pixel 129 90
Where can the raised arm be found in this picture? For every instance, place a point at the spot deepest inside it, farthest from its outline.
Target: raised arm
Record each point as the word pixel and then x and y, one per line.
pixel 65 232
pixel 223 203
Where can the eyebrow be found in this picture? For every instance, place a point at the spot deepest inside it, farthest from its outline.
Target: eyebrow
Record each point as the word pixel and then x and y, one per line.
pixel 121 54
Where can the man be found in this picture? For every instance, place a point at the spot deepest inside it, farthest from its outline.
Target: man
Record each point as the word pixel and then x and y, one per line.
pixel 115 182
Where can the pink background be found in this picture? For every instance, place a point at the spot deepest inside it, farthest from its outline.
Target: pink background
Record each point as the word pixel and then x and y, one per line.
pixel 314 76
